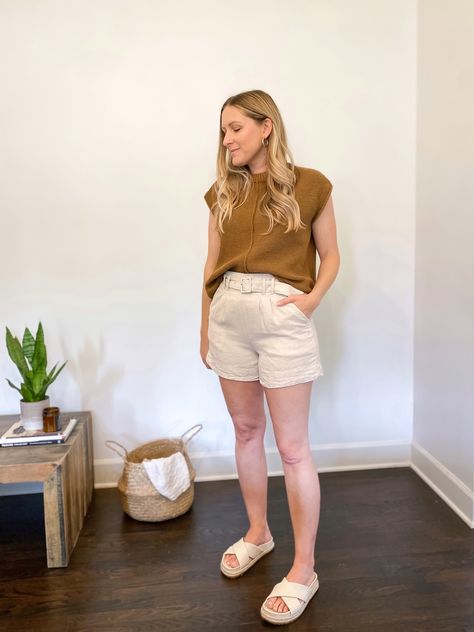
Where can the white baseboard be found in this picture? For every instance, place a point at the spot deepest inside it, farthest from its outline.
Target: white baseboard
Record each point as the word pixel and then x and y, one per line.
pixel 447 485
pixel 218 466
pixel 333 457
pixel 327 458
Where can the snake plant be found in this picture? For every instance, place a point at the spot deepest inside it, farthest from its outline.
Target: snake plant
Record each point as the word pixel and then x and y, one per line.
pixel 31 359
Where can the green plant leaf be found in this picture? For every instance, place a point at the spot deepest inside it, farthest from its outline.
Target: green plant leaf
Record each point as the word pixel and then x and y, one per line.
pixel 51 372
pixel 13 386
pixel 51 377
pixel 38 382
pixel 39 361
pixel 28 394
pixel 28 345
pixel 15 351
pixel 59 370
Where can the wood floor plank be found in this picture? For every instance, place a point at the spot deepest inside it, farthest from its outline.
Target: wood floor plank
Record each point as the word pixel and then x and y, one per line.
pixel 391 557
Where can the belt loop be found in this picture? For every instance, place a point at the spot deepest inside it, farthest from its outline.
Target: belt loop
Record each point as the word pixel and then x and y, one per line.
pixel 246 284
pixel 273 285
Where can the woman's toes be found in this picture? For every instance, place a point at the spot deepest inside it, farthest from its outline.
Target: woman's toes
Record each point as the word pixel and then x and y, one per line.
pixel 277 604
pixel 231 560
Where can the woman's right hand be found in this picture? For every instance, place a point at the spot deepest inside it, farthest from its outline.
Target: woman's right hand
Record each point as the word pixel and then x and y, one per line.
pixel 204 349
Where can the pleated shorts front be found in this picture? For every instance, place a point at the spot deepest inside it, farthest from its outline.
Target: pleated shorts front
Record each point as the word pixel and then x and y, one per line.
pixel 251 338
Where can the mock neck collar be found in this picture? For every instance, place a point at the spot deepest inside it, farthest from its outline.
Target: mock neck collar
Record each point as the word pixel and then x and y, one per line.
pixel 259 177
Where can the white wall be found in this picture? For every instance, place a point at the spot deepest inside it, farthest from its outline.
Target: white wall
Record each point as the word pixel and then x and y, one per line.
pixel 109 119
pixel 443 428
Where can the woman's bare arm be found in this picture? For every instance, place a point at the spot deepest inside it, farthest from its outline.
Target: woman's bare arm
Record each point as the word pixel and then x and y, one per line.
pixel 214 244
pixel 324 233
pixel 325 237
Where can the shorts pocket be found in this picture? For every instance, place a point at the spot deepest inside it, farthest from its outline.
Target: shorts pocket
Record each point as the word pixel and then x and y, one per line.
pixel 217 293
pixel 216 300
pixel 296 309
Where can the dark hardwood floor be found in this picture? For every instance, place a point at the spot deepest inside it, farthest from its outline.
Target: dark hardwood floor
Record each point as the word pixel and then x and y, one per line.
pixel 390 555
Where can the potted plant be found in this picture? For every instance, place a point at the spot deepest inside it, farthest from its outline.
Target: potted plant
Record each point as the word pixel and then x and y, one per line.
pixel 31 359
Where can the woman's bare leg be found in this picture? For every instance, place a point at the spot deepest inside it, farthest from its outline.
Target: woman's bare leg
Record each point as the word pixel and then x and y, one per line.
pixel 244 402
pixel 289 410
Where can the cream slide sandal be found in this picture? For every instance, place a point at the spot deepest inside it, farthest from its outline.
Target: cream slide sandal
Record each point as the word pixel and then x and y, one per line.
pixel 247 554
pixel 290 592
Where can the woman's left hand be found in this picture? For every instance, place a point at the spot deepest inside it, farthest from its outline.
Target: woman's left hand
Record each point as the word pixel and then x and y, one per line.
pixel 303 302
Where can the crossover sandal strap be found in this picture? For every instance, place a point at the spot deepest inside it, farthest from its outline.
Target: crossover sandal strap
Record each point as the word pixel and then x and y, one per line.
pixel 244 551
pixel 290 592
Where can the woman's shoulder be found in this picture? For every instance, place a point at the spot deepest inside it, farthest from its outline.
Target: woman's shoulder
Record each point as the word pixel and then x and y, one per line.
pixel 311 176
pixel 210 195
pixel 313 187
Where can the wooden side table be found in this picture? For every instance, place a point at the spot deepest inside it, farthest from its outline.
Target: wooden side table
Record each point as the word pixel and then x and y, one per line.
pixel 66 471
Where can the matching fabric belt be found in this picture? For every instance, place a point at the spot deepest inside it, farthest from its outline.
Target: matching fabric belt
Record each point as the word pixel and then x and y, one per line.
pixel 257 282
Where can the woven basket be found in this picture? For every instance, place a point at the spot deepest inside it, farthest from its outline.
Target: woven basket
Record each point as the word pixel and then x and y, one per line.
pixel 138 496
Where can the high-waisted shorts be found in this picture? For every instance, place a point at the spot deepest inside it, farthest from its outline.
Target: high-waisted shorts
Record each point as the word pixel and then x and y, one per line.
pixel 252 338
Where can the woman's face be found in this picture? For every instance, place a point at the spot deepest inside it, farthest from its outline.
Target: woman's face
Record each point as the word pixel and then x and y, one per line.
pixel 243 139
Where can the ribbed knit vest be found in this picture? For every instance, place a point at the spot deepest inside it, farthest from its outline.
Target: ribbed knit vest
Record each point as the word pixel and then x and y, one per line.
pixel 291 256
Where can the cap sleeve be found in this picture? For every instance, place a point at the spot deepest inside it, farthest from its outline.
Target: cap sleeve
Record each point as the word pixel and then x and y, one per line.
pixel 210 197
pixel 324 188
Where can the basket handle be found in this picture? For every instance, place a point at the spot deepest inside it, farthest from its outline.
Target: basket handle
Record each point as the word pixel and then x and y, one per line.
pixel 108 444
pixel 185 441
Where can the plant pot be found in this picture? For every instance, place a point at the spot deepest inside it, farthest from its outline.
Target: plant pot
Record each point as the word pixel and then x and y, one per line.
pixel 32 414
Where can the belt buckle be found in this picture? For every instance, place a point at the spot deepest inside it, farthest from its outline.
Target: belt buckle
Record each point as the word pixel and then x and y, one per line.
pixel 246 285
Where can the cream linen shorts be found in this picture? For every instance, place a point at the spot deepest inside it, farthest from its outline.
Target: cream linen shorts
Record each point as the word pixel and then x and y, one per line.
pixel 252 338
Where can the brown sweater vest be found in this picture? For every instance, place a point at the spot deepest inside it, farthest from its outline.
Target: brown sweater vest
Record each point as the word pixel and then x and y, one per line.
pixel 290 257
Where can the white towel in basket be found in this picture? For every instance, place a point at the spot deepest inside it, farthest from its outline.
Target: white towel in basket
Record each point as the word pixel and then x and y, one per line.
pixel 169 475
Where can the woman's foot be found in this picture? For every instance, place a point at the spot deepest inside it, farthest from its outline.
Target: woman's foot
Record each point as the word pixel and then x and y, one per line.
pixel 301 575
pixel 254 536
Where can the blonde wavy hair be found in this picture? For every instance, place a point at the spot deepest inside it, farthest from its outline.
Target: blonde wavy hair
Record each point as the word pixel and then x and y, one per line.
pixel 233 184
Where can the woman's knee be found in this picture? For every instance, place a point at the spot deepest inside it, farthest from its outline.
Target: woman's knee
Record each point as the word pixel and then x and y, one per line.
pixel 294 453
pixel 248 428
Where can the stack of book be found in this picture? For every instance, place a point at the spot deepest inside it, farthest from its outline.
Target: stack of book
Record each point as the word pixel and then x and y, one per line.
pixel 16 435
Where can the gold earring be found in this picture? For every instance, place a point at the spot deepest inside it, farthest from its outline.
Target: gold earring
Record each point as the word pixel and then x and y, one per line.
pixel 265 142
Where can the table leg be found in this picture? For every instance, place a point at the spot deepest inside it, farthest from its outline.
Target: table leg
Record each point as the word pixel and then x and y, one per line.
pixel 67 494
pixel 54 520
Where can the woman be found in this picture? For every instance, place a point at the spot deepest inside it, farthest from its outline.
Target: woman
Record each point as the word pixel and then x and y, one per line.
pixel 267 219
